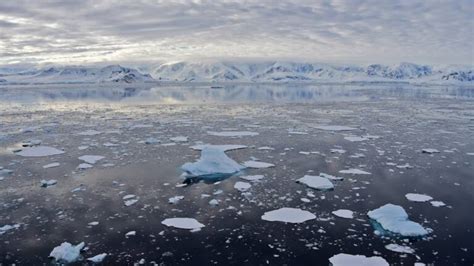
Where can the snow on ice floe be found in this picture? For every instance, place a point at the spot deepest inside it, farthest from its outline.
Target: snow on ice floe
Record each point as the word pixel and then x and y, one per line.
pixel 394 218
pixel 97 258
pixel 51 165
pixel 183 223
pixel 89 132
pixel 354 171
pixel 429 151
pixel 91 159
pixel 7 227
pixel 48 183
pixel 316 182
pixel 288 215
pixel 130 199
pixel 335 128
pixel 232 133
pixel 252 178
pixel 257 164
pixel 39 151
pixel 67 253
pixel 343 259
pixel 348 214
pixel 400 248
pixel 213 161
pixel 418 197
pixel 242 186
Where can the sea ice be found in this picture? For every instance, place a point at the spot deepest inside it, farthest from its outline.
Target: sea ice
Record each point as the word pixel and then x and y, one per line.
pixel 232 133
pixel 67 253
pixel 83 166
pixel 179 139
pixel 344 213
pixel 175 199
pixel 336 128
pixel 39 151
pixel 242 186
pixel 97 258
pixel 89 132
pixel 343 259
pixel 229 147
pixel 354 171
pixel 183 223
pixel 436 203
pixel 355 138
pixel 400 248
pixel 252 178
pixel 395 219
pixel 257 164
pixel 213 161
pixel 288 215
pixel 8 227
pixel 331 177
pixel 51 165
pixel 429 150
pixel 48 183
pixel 418 197
pixel 91 159
pixel 130 199
pixel 316 182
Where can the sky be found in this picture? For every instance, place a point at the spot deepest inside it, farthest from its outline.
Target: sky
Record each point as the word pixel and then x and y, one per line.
pixel 362 31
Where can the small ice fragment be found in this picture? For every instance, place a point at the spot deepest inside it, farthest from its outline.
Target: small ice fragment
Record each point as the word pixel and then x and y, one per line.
pixel 91 159
pixel 213 202
pixel 183 223
pixel 242 186
pixel 257 164
pixel 316 182
pixel 436 203
pixel 288 215
pixel 343 259
pixel 152 141
pixel 39 151
pixel 400 248
pixel 48 183
pixel 93 223
pixel 5 228
pixel 418 197
pixel 97 258
pixel 67 253
pixel 331 177
pixel 252 178
pixel 335 128
pixel 344 214
pixel 51 165
pixel 232 133
pixel 83 166
pixel 355 138
pixel 179 139
pixel 354 171
pixel 89 132
pixel 130 199
pixel 229 147
pixel 429 150
pixel 131 233
pixel 175 199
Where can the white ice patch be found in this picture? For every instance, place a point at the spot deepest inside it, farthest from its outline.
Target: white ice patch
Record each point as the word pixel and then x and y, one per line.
pixel 213 161
pixel 48 183
pixel 436 203
pixel 400 248
pixel 336 128
pixel 288 215
pixel 429 151
pixel 242 186
pixel 51 165
pixel 97 258
pixel 344 214
pixel 183 223
pixel 219 147
pixel 39 151
pixel 8 227
pixel 232 133
pixel 395 219
pixel 316 182
pixel 418 197
pixel 179 139
pixel 343 259
pixel 257 164
pixel 130 199
pixel 354 171
pixel 175 199
pixel 252 178
pixel 355 138
pixel 91 159
pixel 84 166
pixel 67 253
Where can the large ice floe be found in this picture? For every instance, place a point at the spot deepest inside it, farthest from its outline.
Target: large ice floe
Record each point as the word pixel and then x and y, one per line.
pixel 288 215
pixel 213 163
pixel 343 259
pixel 67 253
pixel 316 182
pixel 394 218
pixel 39 151
pixel 183 223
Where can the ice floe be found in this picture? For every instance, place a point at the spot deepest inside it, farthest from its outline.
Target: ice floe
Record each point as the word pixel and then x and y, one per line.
pixel 436 203
pixel 39 151
pixel 252 178
pixel 84 166
pixel 418 197
pixel 316 182
pixel 48 183
pixel 91 159
pixel 67 253
pixel 336 128
pixel 229 147
pixel 89 132
pixel 179 139
pixel 175 199
pixel 130 199
pixel 343 259
pixel 213 161
pixel 232 133
pixel 257 164
pixel 288 215
pixel 131 233
pixel 97 258
pixel 400 248
pixel 51 165
pixel 354 171
pixel 242 186
pixel 348 214
pixel 7 227
pixel 331 177
pixel 394 218
pixel 429 151
pixel 183 223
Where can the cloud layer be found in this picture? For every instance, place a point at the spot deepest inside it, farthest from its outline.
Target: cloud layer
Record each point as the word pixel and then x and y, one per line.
pixel 88 31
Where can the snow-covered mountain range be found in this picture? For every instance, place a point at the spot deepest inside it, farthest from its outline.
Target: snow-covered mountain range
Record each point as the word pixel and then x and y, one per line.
pixel 227 71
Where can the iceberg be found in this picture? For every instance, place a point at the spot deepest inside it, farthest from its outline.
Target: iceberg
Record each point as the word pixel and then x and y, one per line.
pixel 394 218
pixel 67 253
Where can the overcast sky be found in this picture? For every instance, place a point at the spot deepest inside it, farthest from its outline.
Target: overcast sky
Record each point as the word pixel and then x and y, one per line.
pixel 362 31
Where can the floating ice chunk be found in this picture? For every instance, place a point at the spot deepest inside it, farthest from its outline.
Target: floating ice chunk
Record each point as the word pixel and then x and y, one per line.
pixel 82 148
pixel 4 172
pixel 395 219
pixel 67 253
pixel 355 138
pixel 336 128
pixel 31 143
pixel 179 139
pixel 89 132
pixel 39 151
pixel 354 171
pixel 131 233
pixel 429 150
pixel 97 258
pixel 400 249
pixel 331 177
pixel 344 214
pixel 265 148
pixel 418 197
pixel 152 141
pixel 257 164
pixel 213 162
pixel 343 259
pixel 93 223
pixel 183 223
pixel 84 166
pixel 91 159
pixel 316 182
pixel 404 166
pixel 470 153
pixel 219 147
pixel 51 165
pixel 242 186
pixel 288 215
pixel 175 199
pixel 340 151
pixel 48 183
pixel 436 203
pixel 213 202
pixel 232 133
pixel 252 178
pixel 8 227
pixel 130 199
